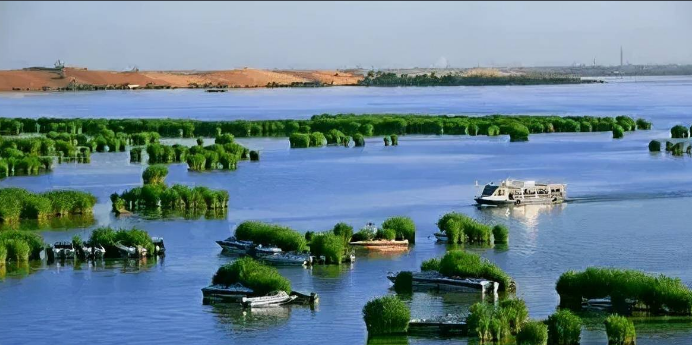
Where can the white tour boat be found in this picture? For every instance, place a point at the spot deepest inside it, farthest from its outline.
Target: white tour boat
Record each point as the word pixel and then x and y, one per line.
pixel 514 192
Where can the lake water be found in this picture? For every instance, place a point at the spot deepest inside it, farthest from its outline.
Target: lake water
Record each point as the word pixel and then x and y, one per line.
pixel 630 210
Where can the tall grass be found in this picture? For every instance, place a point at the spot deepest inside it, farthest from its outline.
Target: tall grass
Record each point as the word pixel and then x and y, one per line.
pixel 618 132
pixel 17 203
pixel 155 174
pixel 329 245
pixel 457 263
pixel 386 315
pixel 533 333
pixel 660 294
pixel 460 228
pixel 564 328
pixel 430 265
pixel 359 140
pixel 488 323
pixel 620 330
pixel 643 124
pixel 299 140
pixel 32 239
pixel 404 227
pixel 108 237
pixel 500 234
pixel 17 249
pixel 270 234
pixel 679 132
pixel 252 274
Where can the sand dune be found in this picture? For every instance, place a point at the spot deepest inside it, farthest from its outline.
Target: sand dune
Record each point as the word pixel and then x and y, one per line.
pixel 39 80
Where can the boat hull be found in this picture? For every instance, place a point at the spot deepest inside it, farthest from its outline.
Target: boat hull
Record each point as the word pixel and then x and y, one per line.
pixel 528 201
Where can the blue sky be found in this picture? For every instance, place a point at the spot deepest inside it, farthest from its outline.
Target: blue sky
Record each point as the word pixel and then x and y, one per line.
pixel 211 35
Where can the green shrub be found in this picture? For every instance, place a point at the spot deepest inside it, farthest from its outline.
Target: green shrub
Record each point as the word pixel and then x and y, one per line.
pixel 643 124
pixel 516 313
pixel 677 149
pixel 654 146
pixel 660 294
pixel 488 323
pixel 344 231
pixel 155 174
pixel 460 228
pixel 517 132
pixel 669 146
pixel 500 233
pixel 34 241
pixel 533 333
pixel 3 253
pixel 385 234
pixel 254 156
pixel 329 245
pixel 222 139
pixel 386 315
pixel 260 278
pixel 618 132
pixel 403 282
pixel 359 140
pixel 626 122
pixel 317 139
pixel 136 154
pixel 493 130
pixel 108 237
pixel 620 330
pixel 431 265
pixel 586 126
pixel 564 328
pixel 334 136
pixel 404 227
pixel 387 140
pixel 299 140
pixel 457 263
pixel 309 235
pixel 363 235
pixel 269 234
pixel 679 131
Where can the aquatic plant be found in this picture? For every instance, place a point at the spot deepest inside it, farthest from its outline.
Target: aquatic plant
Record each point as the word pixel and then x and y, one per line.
pixel 488 323
pixel 34 241
pixel 3 253
pixel 626 122
pixel 457 263
pixel 516 313
pixel 155 174
pixel 643 124
pixel 363 235
pixel 334 136
pixel 359 140
pixel 403 283
pixel 136 155
pixel 404 227
pixel 329 245
pixel 262 279
pixel 500 234
pixel 679 132
pixel 344 231
pixel 108 237
pixel 17 203
pixel 395 139
pixel 385 234
pixel 460 228
pixel 516 131
pixel 660 294
pixel 654 146
pixel 620 330
pixel 430 265
pixel 387 140
pixel 533 333
pixel 386 315
pixel 299 140
pixel 564 328
pixel 254 156
pixel 618 132
pixel 270 234
pixel 200 141
pixel 16 250
pixel 317 139
pixel 677 149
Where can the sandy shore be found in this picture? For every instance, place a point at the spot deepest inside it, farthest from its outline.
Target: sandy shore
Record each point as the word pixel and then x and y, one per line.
pixel 38 80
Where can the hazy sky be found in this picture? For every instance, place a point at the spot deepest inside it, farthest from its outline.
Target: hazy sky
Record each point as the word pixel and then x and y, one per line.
pixel 198 35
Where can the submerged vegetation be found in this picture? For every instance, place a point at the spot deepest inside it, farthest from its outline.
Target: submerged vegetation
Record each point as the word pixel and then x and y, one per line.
pixel 156 195
pixel 656 294
pixel 262 279
pixel 458 263
pixel 17 203
pixel 386 315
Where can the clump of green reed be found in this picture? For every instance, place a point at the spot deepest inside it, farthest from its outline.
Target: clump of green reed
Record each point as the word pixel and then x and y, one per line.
pixel 403 283
pixel 660 294
pixel 387 140
pixel 643 124
pixel 108 237
pixel 654 146
pixel 457 263
pixel 677 149
pixel 620 330
pixel 270 234
pixel 493 130
pixel 516 131
pixel 363 235
pixel 329 245
pixel 404 228
pixel 155 174
pixel 386 315
pixel 500 233
pixel 16 250
pixel 385 234
pixel 395 139
pixel 17 203
pixel 533 333
pixel 335 136
pixel 460 228
pixel 359 140
pixel 136 155
pixel 430 265
pixel 679 132
pixel 3 253
pixel 317 139
pixel 564 328
pixel 299 140
pixel 618 132
pixel 262 279
pixel 488 323
pixel 516 313
pixel 344 231
pixel 34 241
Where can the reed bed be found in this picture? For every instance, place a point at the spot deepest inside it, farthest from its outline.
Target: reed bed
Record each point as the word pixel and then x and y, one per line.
pixel 564 328
pixel 620 330
pixel 457 263
pixel 108 237
pixel 18 203
pixel 262 279
pixel 386 315
pixel 271 235
pixel 404 228
pixel 460 228
pixel 533 333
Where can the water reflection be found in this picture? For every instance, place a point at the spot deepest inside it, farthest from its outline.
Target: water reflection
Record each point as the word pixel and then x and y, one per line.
pixel 528 215
pixel 18 270
pixel 331 271
pixel 54 223
pixel 235 318
pixel 388 340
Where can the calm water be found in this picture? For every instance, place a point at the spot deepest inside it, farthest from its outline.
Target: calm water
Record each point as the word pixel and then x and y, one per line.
pixel 630 211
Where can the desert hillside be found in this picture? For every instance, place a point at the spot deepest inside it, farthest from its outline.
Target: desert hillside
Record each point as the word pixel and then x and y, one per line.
pixel 49 79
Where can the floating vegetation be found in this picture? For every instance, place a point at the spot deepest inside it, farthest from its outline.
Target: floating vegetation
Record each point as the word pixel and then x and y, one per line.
pixel 262 279
pixel 460 228
pixel 564 328
pixel 156 195
pixel 386 315
pixel 533 333
pixel 457 263
pixel 17 203
pixel 620 330
pixel 679 132
pixel 114 240
pixel 348 124
pixel 404 228
pixel 271 235
pixel 656 294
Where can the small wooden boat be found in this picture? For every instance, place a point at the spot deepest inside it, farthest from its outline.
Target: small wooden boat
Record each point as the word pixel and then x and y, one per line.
pixel 441 237
pixel 63 250
pixel 287 259
pixel 278 299
pixel 216 90
pixel 128 251
pixel 380 243
pixel 431 279
pixel 159 247
pixel 231 293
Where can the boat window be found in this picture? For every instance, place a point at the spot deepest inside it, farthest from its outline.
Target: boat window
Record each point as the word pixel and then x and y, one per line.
pixel 489 190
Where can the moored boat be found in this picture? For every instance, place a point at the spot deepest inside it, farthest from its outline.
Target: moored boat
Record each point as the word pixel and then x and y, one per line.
pixel 287 259
pixel 234 245
pixel 431 279
pixel 261 250
pixel 275 300
pixel 441 236
pixel 231 293
pixel 515 192
pixel 129 251
pixel 159 246
pixel 63 250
